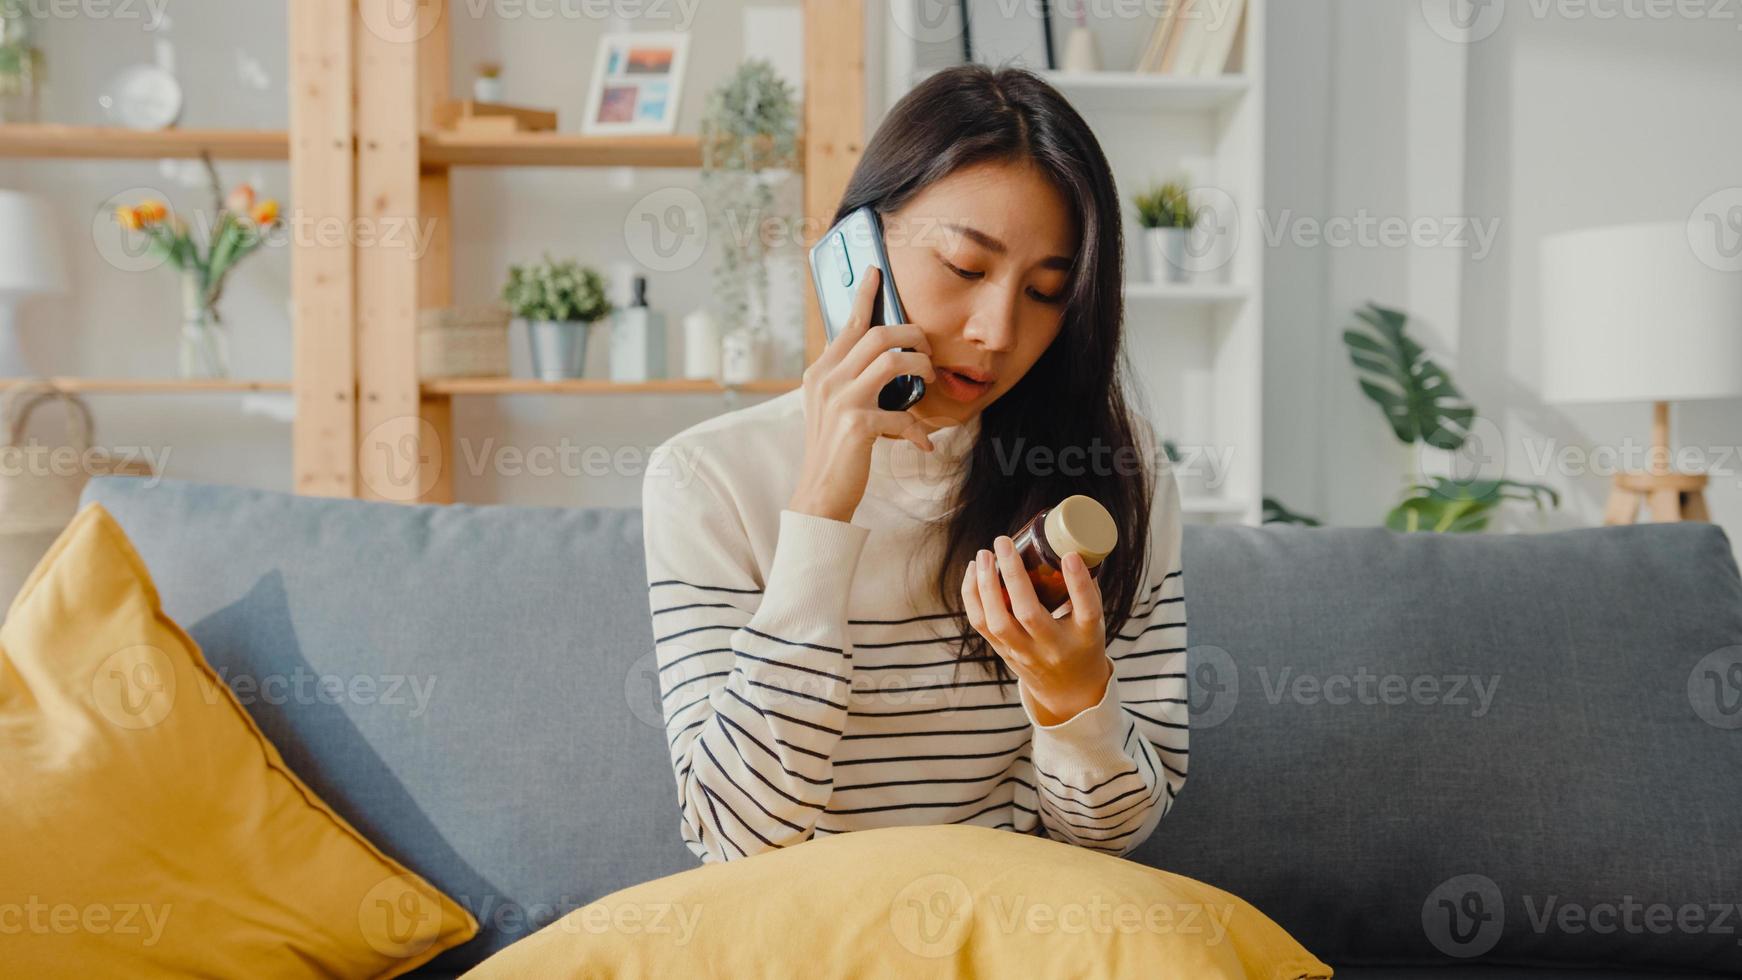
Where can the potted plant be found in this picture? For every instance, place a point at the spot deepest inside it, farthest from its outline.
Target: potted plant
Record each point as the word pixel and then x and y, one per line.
pixel 487 85
pixel 749 141
pixel 558 301
pixel 1165 213
pixel 1423 407
pixel 237 230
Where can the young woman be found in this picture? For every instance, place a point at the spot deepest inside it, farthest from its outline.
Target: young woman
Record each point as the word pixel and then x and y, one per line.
pixel 828 580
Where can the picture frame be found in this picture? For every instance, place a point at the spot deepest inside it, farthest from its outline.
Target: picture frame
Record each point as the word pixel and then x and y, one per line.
pixel 995 32
pixel 637 84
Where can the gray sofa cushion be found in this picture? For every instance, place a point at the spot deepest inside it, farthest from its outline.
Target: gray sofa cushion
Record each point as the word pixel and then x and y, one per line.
pixel 1562 742
pixel 499 730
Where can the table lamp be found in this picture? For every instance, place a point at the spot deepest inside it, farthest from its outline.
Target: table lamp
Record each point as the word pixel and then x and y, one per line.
pixel 31 263
pixel 1631 314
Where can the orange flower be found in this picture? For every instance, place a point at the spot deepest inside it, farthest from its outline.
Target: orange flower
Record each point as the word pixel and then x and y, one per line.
pixel 152 211
pixel 241 199
pixel 129 219
pixel 266 212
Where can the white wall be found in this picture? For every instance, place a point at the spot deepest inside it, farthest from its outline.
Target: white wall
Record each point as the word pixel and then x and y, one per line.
pixel 1540 124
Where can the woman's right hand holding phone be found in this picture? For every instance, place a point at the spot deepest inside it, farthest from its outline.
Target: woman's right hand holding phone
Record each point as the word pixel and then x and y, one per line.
pixel 842 419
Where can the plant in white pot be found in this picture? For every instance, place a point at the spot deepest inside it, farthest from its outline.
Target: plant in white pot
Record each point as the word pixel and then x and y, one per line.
pixel 558 301
pixel 1165 213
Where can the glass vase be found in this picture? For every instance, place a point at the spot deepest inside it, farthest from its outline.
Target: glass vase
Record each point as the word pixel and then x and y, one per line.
pixel 205 350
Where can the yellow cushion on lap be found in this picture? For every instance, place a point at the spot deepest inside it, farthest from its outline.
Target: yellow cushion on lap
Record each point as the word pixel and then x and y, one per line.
pixel 147 828
pixel 902 902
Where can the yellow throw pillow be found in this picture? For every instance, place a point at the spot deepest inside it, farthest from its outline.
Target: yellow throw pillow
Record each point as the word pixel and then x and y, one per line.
pixel 904 902
pixel 147 828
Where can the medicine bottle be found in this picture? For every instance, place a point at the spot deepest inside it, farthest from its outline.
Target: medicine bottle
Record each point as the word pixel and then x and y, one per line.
pixel 1076 523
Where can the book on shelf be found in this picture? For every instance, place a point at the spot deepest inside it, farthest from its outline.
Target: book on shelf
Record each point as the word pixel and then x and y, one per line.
pixel 1194 37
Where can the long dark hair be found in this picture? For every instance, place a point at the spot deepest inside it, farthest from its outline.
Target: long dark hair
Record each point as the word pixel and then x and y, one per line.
pixel 969 115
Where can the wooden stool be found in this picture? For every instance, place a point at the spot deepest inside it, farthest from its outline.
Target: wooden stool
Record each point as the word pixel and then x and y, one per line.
pixel 1669 496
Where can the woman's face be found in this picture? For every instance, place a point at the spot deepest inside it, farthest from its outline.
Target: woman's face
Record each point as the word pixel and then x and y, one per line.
pixel 981 260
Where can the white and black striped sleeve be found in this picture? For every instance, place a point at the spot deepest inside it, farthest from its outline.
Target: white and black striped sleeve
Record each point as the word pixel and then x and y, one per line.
pixel 1107 776
pixel 753 676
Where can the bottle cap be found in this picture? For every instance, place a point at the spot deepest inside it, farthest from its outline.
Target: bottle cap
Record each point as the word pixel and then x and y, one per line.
pixel 1082 525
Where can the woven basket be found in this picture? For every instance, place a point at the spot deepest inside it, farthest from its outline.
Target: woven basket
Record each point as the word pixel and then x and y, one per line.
pixel 40 484
pixel 462 343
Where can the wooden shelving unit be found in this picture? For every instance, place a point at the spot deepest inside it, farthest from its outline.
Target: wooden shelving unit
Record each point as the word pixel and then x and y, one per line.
pixel 364 150
pixel 450 149
pixel 597 386
pixel 54 142
pixel 156 386
pixel 402 172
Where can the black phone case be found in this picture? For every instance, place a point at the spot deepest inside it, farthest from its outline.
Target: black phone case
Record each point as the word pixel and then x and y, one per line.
pixel 859 252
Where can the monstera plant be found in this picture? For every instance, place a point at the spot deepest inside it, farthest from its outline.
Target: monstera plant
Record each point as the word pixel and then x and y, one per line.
pixel 1423 406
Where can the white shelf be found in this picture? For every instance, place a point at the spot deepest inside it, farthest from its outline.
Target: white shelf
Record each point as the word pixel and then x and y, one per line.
pixel 1212 507
pixel 1185 293
pixel 1196 348
pixel 1129 91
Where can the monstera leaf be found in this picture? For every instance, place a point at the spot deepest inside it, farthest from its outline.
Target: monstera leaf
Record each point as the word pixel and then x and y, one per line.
pixel 1276 513
pixel 1462 505
pixel 1417 396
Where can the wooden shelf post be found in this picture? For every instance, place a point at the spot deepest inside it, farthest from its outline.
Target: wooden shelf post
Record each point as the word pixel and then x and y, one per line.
pixel 834 125
pixel 402 440
pixel 323 284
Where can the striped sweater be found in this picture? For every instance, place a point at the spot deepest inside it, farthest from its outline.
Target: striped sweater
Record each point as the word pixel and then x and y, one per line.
pixel 808 683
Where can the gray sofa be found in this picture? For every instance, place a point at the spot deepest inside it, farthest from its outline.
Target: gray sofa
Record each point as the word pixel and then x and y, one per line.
pixel 1425 756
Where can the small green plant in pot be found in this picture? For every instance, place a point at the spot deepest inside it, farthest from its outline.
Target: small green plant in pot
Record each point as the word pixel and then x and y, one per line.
pixel 558 300
pixel 1165 213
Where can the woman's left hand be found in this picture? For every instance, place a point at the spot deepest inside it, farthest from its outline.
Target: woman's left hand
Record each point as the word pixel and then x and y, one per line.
pixel 1062 663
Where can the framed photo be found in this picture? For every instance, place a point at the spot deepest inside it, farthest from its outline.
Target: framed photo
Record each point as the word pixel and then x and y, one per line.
pixel 637 84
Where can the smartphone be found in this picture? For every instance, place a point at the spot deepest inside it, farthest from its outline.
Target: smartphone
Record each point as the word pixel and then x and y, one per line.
pixel 838 265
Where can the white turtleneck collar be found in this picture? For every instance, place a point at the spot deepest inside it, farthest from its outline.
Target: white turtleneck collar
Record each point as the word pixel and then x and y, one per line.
pixel 912 472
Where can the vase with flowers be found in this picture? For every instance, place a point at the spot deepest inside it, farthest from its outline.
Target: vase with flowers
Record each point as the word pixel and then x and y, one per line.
pixel 204 262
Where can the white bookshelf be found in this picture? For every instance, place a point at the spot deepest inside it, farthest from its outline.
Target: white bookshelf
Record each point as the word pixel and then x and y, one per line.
pixel 1196 346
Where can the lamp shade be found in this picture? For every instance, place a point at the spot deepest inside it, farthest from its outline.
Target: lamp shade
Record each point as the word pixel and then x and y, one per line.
pixel 1630 313
pixel 31 259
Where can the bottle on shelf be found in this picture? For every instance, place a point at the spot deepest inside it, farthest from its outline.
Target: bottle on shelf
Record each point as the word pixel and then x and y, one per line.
pixel 637 339
pixel 701 346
